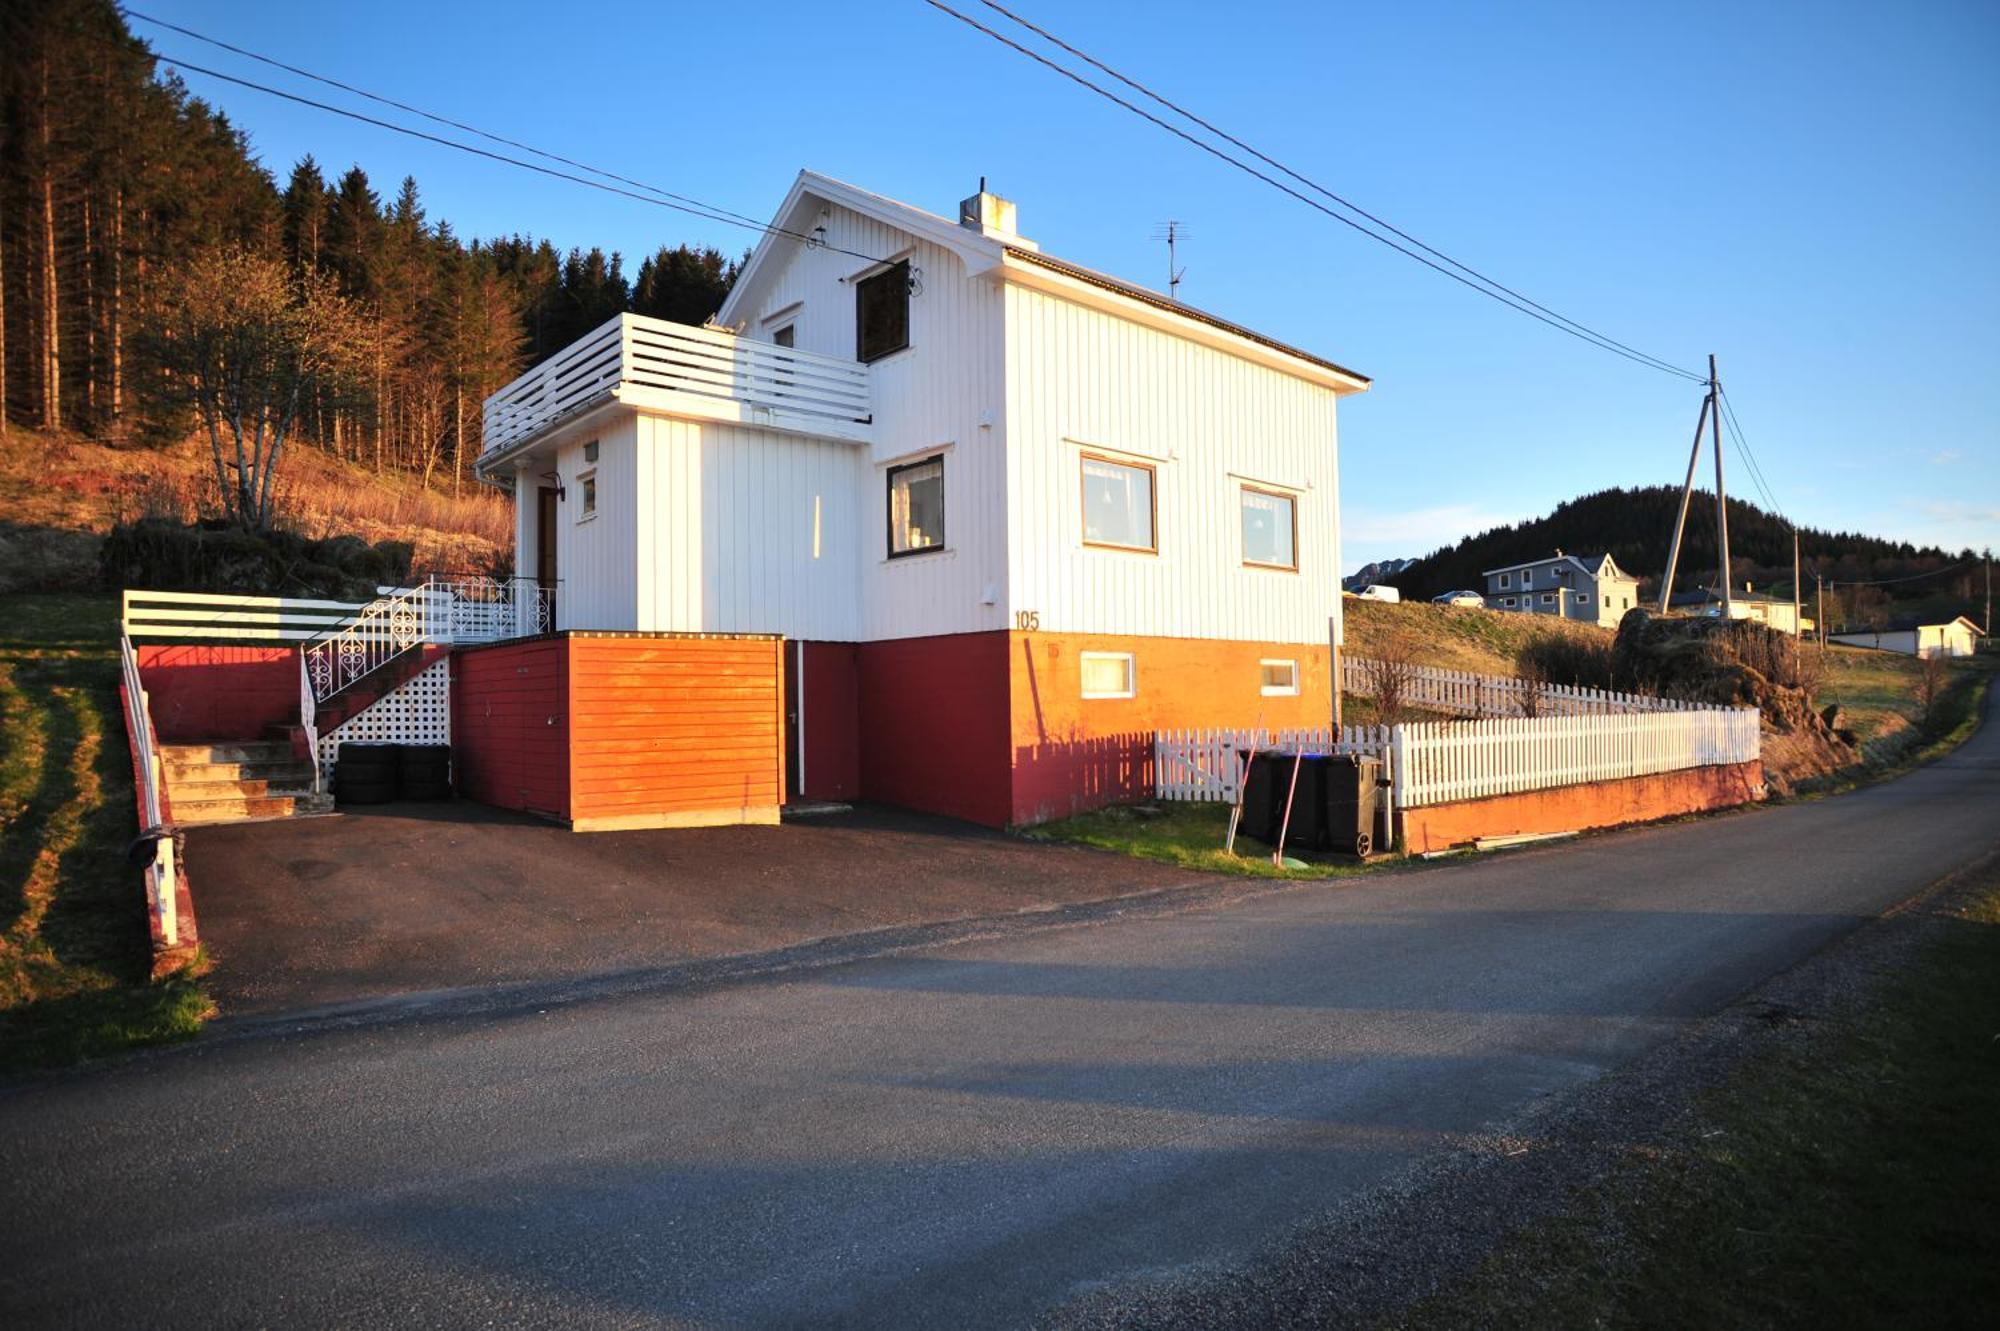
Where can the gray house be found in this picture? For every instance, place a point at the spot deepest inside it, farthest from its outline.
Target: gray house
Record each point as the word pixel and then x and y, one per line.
pixel 1591 588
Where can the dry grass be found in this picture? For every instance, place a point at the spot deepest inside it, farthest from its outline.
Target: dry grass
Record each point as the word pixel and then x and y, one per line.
pixel 58 496
pixel 1488 642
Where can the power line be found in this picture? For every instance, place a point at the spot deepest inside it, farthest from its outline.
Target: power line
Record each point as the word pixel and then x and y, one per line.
pixel 1749 457
pixel 696 208
pixel 1314 185
pixel 431 116
pixel 1519 304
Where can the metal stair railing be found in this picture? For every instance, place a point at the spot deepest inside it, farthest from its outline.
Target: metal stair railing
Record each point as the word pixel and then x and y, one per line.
pixel 440 610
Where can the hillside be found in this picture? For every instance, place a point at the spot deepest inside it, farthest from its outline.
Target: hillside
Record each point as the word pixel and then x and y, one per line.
pixel 1636 525
pixel 58 496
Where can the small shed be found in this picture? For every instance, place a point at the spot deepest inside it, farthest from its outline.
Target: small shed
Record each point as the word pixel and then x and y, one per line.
pixel 607 731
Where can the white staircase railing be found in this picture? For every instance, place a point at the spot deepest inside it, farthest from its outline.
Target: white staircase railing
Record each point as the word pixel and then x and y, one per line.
pixel 441 611
pixel 162 874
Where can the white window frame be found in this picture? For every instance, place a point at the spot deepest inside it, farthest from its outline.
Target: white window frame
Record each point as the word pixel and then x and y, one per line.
pixel 1504 580
pixel 1131 689
pixel 1278 690
pixel 1548 598
pixel 1583 598
pixel 1507 601
pixel 1527 577
pixel 586 495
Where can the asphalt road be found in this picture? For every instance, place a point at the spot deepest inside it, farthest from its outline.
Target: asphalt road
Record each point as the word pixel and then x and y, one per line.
pixel 959 1137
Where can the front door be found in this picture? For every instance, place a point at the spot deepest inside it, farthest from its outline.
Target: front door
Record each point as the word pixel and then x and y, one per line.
pixel 545 547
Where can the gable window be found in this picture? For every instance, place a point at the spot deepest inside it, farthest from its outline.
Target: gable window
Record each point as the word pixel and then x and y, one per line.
pixel 1109 674
pixel 882 313
pixel 1270 529
pixel 786 336
pixel 1278 679
pixel 916 507
pixel 587 485
pixel 1118 507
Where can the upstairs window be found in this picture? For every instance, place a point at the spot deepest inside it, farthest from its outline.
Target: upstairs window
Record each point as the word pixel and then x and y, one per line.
pixel 882 313
pixel 1504 579
pixel 786 336
pixel 1118 505
pixel 916 507
pixel 1527 577
pixel 1270 529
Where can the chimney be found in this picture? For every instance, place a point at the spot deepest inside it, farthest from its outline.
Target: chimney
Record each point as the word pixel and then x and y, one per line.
pixel 989 215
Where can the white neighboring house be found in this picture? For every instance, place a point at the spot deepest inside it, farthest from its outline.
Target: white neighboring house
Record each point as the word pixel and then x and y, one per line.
pixel 1013 513
pixel 1777 612
pixel 1591 588
pixel 1955 637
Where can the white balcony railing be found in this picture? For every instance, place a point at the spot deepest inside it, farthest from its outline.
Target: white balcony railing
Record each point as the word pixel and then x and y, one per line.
pixel 677 368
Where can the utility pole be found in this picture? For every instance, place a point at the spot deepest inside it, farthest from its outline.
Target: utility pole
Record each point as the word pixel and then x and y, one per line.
pixel 1721 495
pixel 1989 591
pixel 1797 628
pixel 1687 493
pixel 1820 586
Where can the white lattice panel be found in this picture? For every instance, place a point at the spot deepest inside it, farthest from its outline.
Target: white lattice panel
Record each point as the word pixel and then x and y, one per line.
pixel 416 712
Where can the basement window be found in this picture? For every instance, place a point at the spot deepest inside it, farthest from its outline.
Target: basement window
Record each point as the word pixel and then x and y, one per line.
pixel 882 313
pixel 1109 674
pixel 1583 598
pixel 916 507
pixel 1278 679
pixel 1548 598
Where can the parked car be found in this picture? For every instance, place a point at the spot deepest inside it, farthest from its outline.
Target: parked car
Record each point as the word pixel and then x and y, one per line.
pixel 1375 591
pixel 1460 597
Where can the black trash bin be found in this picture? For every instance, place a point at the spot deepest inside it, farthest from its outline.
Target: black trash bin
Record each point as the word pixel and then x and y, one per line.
pixel 367 773
pixel 1348 801
pixel 1268 789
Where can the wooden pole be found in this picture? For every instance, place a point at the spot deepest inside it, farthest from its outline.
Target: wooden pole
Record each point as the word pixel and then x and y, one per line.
pixel 1721 495
pixel 1333 641
pixel 1687 494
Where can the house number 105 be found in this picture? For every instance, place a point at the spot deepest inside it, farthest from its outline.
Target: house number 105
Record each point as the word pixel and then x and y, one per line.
pixel 1027 620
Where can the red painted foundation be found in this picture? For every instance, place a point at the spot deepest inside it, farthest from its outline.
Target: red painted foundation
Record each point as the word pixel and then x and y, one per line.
pixel 202 693
pixel 1639 799
pixel 933 725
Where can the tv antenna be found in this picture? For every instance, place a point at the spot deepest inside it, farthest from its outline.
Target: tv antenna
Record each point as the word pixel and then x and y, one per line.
pixel 1171 231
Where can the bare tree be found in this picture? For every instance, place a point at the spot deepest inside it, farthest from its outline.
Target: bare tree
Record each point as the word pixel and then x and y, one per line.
pixel 1933 675
pixel 247 346
pixel 1392 677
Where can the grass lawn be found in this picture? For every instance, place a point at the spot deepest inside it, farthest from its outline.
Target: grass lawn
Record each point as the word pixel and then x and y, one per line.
pixel 1850 1179
pixel 1190 837
pixel 74 946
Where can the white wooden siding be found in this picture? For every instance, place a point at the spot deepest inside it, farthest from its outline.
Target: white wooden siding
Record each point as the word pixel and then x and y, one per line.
pixel 945 390
pixel 1081 379
pixel 727 544
pixel 594 559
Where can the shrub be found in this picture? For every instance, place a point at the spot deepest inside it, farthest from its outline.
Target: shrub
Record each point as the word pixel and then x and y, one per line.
pixel 218 556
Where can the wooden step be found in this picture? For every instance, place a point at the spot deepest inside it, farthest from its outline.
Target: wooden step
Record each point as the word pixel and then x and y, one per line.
pixel 293 783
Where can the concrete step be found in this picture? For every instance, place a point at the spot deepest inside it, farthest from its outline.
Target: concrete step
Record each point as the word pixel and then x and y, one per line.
pixel 244 808
pixel 227 751
pixel 293 772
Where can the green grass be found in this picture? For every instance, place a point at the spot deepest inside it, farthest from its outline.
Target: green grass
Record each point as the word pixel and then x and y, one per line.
pixel 75 952
pixel 1188 836
pixel 1847 1179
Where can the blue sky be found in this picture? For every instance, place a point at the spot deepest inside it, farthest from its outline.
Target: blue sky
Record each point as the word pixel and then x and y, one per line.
pixel 1807 190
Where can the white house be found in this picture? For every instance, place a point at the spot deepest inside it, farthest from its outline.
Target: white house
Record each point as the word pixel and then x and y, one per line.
pixel 1954 637
pixel 1775 611
pixel 1591 588
pixel 1012 515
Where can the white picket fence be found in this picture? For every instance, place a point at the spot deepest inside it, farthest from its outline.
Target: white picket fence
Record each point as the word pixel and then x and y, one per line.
pixel 1463 693
pixel 1441 762
pixel 1203 765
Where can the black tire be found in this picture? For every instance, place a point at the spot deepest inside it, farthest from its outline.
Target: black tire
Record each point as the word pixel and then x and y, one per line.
pixel 373 760
pixel 353 790
pixel 425 791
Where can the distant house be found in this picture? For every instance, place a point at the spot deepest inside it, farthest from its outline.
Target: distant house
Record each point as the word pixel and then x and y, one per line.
pixel 1955 637
pixel 1777 612
pixel 1591 588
